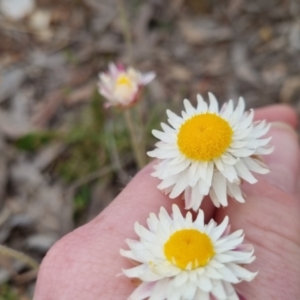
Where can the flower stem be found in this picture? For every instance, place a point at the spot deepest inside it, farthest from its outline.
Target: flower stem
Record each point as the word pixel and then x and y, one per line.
pixel 126 29
pixel 6 251
pixel 138 148
pixel 136 131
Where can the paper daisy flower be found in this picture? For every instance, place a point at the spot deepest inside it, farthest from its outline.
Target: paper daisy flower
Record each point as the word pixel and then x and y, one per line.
pixel 122 87
pixel 207 151
pixel 182 259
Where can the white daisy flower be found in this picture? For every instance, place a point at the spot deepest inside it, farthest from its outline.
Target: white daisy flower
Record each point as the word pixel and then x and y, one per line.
pixel 182 259
pixel 122 87
pixel 207 151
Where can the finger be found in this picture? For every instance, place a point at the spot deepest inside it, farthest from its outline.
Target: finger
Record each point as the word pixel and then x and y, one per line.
pixel 270 219
pixel 277 113
pixel 85 263
pixel 284 161
pixel 90 255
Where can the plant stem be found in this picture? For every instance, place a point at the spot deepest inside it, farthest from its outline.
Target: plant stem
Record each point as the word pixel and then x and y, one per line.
pixel 126 29
pixel 138 149
pixel 136 131
pixel 6 251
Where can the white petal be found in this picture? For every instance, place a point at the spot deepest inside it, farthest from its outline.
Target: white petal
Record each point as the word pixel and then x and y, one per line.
pixel 163 154
pixel 114 71
pixel 194 195
pixel 230 174
pixel 219 187
pixel 199 222
pixel 235 192
pixel 143 291
pixel 240 108
pixel 189 290
pixel 127 253
pixel 179 187
pixel 197 202
pixel 241 272
pixel 219 230
pixel 228 244
pixel 255 165
pixel 214 198
pixel 218 290
pixel 264 151
pixel 188 107
pixel 202 187
pixel 228 275
pixel 201 295
pixel 136 272
pixel 177 216
pixel 188 197
pixel 209 173
pixel 227 109
pixel 219 164
pixel 244 172
pixel 205 284
pixel 173 116
pixel 213 103
pixel 241 152
pixel 228 159
pixel 152 222
pixel 159 290
pixel 180 279
pixel 212 273
pixel 230 291
pixel 202 105
pixel 147 78
pixel 167 129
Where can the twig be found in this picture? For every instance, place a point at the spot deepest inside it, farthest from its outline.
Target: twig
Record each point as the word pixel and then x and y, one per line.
pixel 26 277
pixel 88 178
pixel 6 251
pixel 93 176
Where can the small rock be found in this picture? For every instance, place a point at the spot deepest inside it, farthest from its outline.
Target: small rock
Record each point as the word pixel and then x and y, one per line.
pixel 40 242
pixel 274 74
pixel 16 9
pixel 179 73
pixel 242 66
pixel 290 91
pixel 201 32
pixel 10 83
pixel 40 20
pixel 294 37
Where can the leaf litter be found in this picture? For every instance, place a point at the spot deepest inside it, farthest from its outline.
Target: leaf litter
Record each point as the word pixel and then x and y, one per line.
pixel 64 157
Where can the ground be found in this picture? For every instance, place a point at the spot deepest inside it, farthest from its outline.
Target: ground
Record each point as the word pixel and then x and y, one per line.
pixel 64 156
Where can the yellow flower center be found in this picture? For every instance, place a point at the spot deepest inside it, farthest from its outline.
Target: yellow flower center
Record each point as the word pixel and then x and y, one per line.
pixel 204 137
pixel 189 246
pixel 124 80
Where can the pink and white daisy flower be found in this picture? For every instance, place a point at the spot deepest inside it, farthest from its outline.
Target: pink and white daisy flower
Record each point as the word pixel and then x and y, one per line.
pixel 122 87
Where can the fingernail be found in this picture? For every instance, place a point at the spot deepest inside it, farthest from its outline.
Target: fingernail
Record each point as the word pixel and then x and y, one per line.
pixel 284 161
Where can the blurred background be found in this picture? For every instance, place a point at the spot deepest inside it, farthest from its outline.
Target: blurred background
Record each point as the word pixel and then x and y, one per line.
pixel 63 156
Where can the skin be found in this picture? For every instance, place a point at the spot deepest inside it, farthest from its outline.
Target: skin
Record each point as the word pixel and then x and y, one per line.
pixel 84 263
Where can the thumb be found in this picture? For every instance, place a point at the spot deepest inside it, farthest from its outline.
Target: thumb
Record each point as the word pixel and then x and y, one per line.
pixel 284 161
pixel 270 220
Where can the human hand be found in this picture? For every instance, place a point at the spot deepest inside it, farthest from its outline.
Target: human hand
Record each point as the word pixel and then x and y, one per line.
pixel 83 265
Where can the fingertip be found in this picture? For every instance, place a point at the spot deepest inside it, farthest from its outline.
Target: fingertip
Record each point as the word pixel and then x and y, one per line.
pixel 284 161
pixel 277 112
